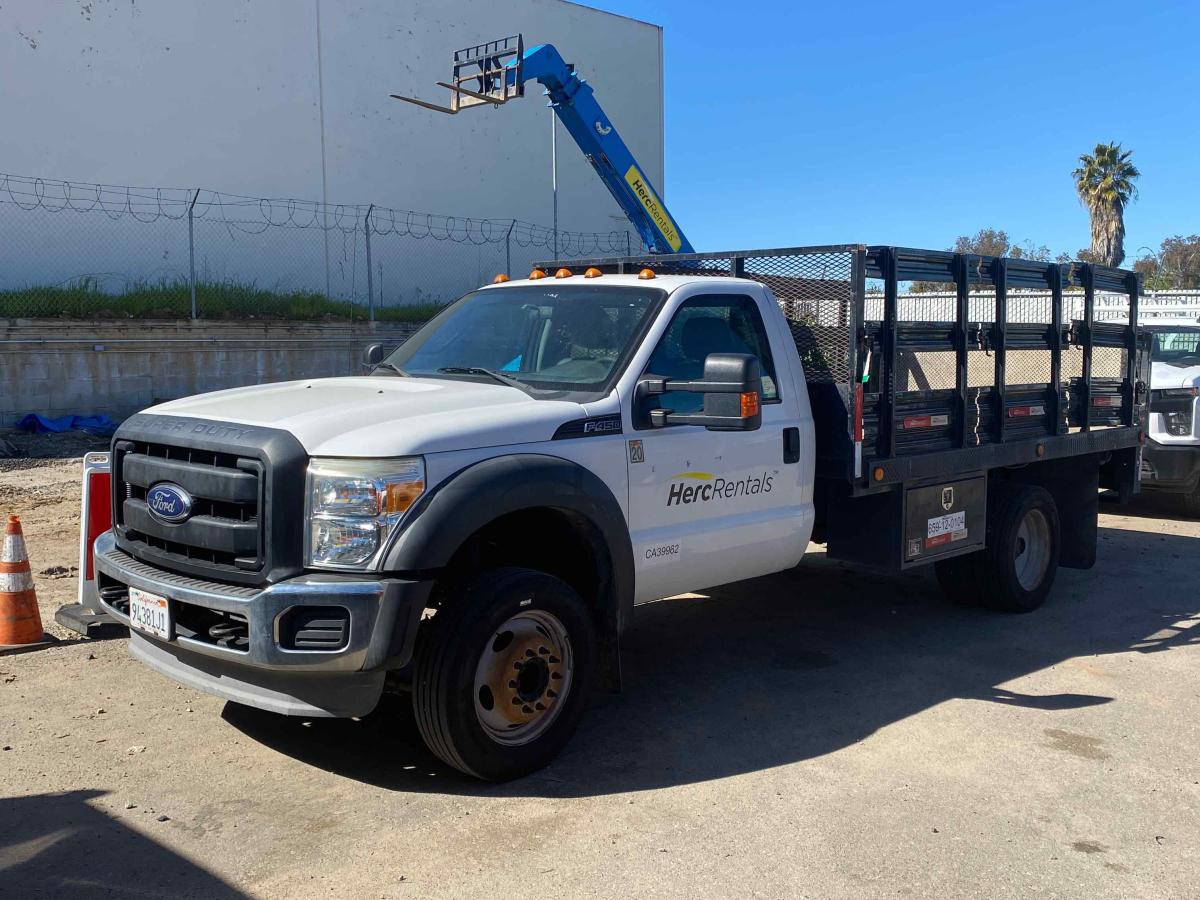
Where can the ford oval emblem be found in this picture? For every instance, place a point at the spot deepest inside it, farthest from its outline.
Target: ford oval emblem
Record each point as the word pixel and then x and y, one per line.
pixel 169 503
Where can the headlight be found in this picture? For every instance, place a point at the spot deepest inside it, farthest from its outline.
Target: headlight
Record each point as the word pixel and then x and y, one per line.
pixel 1179 424
pixel 354 505
pixel 1176 406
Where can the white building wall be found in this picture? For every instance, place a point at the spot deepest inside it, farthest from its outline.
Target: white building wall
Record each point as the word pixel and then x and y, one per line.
pixel 228 94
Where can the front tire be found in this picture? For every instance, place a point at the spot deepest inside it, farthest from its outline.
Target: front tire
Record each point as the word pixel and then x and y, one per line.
pixel 503 673
pixel 1190 503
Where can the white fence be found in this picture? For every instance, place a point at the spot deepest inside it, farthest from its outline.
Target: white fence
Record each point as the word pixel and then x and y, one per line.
pixel 1034 306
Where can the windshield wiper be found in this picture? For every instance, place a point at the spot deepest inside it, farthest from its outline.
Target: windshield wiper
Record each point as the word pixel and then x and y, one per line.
pixel 391 367
pixel 472 370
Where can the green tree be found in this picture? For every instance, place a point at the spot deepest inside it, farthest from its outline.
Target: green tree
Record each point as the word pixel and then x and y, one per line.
pixel 987 242
pixel 1104 181
pixel 1176 266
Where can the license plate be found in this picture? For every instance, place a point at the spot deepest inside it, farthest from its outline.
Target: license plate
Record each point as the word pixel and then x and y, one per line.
pixel 947 524
pixel 150 613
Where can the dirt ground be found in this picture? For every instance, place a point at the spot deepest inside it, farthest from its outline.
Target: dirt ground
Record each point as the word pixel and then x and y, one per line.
pixel 825 732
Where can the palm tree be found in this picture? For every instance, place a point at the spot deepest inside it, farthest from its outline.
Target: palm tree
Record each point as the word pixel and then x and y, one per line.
pixel 1105 182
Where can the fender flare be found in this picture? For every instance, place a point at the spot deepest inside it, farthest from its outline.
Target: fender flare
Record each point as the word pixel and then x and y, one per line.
pixel 482 492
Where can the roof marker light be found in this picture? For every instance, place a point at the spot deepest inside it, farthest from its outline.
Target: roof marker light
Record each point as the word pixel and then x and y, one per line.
pixel 646 274
pixel 536 274
pixel 563 273
pixel 593 272
pixel 500 279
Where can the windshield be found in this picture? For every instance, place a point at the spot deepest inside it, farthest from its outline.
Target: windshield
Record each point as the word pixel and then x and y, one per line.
pixel 1177 347
pixel 555 338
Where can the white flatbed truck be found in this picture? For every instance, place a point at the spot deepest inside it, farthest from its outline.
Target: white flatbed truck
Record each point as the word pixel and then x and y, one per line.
pixel 476 519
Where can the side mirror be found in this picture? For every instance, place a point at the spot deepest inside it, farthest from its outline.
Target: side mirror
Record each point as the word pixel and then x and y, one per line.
pixel 371 357
pixel 732 389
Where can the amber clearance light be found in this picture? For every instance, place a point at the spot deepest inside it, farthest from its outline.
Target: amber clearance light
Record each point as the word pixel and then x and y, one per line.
pixel 593 272
pixel 563 273
pixel 646 274
pixel 536 274
pixel 500 279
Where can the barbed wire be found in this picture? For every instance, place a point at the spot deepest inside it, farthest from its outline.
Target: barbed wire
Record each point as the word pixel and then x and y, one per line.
pixel 254 215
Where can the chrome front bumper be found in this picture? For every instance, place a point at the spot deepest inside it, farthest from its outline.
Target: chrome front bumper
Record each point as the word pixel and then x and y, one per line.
pixel 383 617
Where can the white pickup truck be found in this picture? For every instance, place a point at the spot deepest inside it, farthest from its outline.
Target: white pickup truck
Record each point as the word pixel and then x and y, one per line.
pixel 476 519
pixel 1171 463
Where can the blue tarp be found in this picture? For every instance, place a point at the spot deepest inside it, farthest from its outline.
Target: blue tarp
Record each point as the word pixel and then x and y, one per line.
pixel 98 425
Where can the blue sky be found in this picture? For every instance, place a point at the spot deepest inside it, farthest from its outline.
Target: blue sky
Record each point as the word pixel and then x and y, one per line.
pixel 794 123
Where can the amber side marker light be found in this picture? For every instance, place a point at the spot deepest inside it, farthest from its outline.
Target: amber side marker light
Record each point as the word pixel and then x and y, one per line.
pixel 400 497
pixel 563 273
pixel 750 404
pixel 536 274
pixel 593 272
pixel 646 274
pixel 500 279
pixel 878 473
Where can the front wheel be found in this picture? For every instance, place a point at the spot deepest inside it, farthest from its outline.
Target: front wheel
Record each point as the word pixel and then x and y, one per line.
pixel 1190 502
pixel 503 673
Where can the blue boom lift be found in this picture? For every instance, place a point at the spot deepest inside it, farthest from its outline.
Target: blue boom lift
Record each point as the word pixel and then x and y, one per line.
pixel 497 71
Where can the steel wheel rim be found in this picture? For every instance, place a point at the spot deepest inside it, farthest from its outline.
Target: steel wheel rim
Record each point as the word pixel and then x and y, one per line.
pixel 523 677
pixel 1031 556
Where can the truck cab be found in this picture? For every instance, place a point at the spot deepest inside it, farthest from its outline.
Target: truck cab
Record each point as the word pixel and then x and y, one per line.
pixel 475 520
pixel 1171 462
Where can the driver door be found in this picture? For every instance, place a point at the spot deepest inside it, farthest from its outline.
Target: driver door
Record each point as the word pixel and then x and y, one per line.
pixel 712 507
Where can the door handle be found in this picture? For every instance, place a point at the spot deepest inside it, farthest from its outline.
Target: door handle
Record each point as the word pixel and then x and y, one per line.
pixel 791 445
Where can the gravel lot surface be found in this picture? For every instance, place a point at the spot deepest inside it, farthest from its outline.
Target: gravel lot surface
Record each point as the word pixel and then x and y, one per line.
pixel 826 732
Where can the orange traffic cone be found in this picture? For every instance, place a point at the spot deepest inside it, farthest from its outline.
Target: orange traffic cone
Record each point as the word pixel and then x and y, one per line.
pixel 20 621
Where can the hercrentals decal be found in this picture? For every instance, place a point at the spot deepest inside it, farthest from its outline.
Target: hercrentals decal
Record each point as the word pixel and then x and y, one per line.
pixel 716 487
pixel 653 205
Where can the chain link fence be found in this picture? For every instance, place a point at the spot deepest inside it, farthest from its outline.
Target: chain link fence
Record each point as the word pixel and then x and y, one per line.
pixel 102 251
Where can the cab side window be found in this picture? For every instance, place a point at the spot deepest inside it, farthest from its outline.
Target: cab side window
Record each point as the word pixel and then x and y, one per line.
pixel 717 323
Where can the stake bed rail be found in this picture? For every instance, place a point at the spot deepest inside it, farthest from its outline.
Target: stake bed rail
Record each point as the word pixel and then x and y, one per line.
pixel 905 389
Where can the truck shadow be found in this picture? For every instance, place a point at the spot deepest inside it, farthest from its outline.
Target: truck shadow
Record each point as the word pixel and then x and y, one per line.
pixel 1150 505
pixel 794 666
pixel 59 845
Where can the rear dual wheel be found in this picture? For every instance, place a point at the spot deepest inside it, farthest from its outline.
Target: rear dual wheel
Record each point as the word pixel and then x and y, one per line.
pixel 1016 570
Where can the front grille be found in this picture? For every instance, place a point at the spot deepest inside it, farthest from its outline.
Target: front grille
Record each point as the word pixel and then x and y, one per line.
pixel 246 525
pixel 225 531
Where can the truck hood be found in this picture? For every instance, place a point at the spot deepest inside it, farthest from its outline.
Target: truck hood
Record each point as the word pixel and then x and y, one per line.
pixel 1164 376
pixel 384 416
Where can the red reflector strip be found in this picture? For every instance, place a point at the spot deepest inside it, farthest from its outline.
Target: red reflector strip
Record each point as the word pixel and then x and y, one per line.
pixel 858 413
pixel 99 512
pixel 1106 401
pixel 937 541
pixel 924 422
pixel 1021 412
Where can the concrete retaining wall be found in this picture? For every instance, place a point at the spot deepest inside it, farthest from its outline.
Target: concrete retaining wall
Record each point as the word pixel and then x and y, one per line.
pixel 60 367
